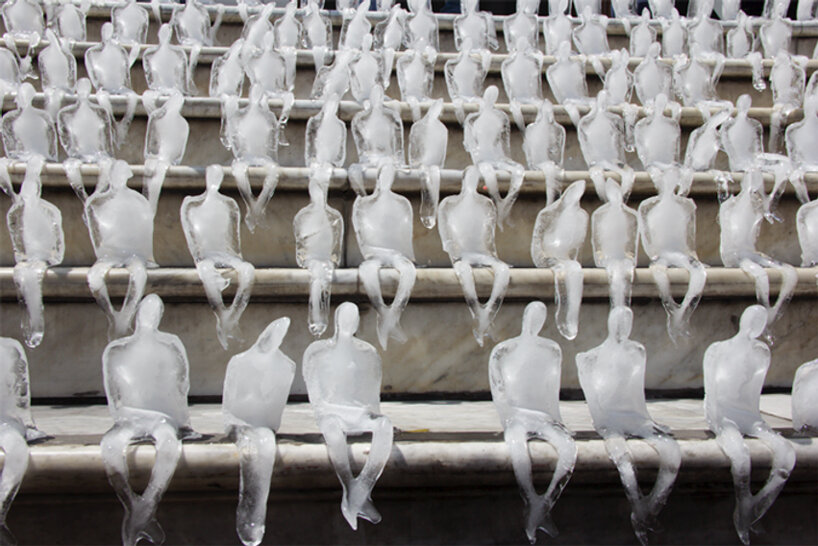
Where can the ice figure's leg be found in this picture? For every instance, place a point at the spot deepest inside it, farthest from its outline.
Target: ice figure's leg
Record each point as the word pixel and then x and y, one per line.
pixel 618 451
pixel 320 286
pixel 780 469
pixel 122 126
pixel 193 61
pixel 114 457
pixel 658 269
pixel 153 184
pixel 5 179
pixel 551 171
pixel 754 58
pixel 360 502
pixel 137 279
pixel 775 127
pixel 568 282
pixel 429 195
pixel 517 114
pixel 489 175
pixel 498 292
pixel 319 55
pixel 789 279
pixel 620 279
pixel 15 463
pixel 246 277
pixel 355 173
pixel 516 437
pixel 257 453
pixel 214 284
pixel 459 111
pixel 389 321
pixel 28 277
pixel 627 178
pixel 629 113
pixel 463 270
pixel 732 444
pixel 368 273
pixel 96 283
pixel 414 107
pixel 336 440
pixel 679 319
pixel 240 171
pixel 573 113
pixel 762 282
pixel 560 439
pixel 256 205
pixel 670 459
pixel 74 175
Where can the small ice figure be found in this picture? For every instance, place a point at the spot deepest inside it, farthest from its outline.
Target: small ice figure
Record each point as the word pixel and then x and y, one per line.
pixel 522 79
pixel 35 228
pixel 211 224
pixel 317 32
pixel 703 145
pixel 741 137
pixel 421 26
pixel 274 73
pixel 390 34
pixel 165 143
pixel 16 426
pixel 355 27
pixel 476 25
pixel 486 136
pixel 146 378
pixel 366 70
pixel 559 235
pixel 333 79
pixel 612 377
pixel 415 71
pixel 566 78
pixel 378 134
pixel 804 391
pixel 255 27
pixel 23 20
pixel 775 34
pixel 522 25
pixel 28 132
pixel 740 219
pixel 287 32
pixel 58 71
pixel 734 372
pixel 643 35
pixel 591 35
pixel 256 386
pixel 657 136
pixel 695 79
pixel 326 137
pixel 130 21
pixel 740 44
pixel 10 76
pixel 227 73
pixel 466 224
pixel 704 32
pixel 674 35
pixel 619 87
pixel 524 373
pixel 68 20
pixel 544 147
pixel 807 226
pixel 120 222
pixel 193 28
pixel 557 28
pixel 251 133
pixel 787 81
pixel 667 225
pixel 615 241
pixel 343 377
pixel 319 234
pixel 166 66
pixel 383 228
pixel 428 141
pixel 602 142
pixel 465 75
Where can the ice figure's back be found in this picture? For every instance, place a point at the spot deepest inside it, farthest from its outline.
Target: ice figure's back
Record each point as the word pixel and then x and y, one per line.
pixel 670 225
pixel 468 225
pixel 614 232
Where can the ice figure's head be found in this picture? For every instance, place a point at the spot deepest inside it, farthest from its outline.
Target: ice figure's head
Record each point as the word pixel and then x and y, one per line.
pixel 674 15
pixel 107 32
pixel 780 9
pixel 753 321
pixel 471 177
pixel 528 6
pixel 620 322
pixel 366 44
pixel 25 94
pixel 84 88
pixel 534 318
pixel 214 174
pixel 600 105
pixel 436 108
pixel 613 192
pixel 468 6
pixel 346 320
pixel 490 96
pixel 289 9
pixel 270 339
pixel 782 56
pixel 268 40
pixel 120 174
pixel 149 313
pixel 164 34
pixel 620 57
pixel 574 193
pixel 645 15
pixel 546 109
pixel 386 176
pixel 654 49
pixel 743 104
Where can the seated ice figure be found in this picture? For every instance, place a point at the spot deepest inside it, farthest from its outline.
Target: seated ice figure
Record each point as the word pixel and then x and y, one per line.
pixel 227 73
pixel 703 145
pixel 146 378
pixel 667 225
pixel 618 82
pixel 165 142
pixel 428 140
pixel 367 69
pixel 68 20
pixel 193 29
pixel 741 137
pixel 615 241
pixel 486 136
pixel 704 32
pixel 559 235
pixel 590 37
pixel 251 133
pixel 274 73
pixel 544 147
pixel 319 233
pixel 211 223
pixel 674 35
pixel 652 77
pixel 466 224
pixel 16 425
pixel 287 32
pixel 333 79
pixel 740 41
pixel 806 220
pixel 355 27
pixel 130 21
pixel 343 377
pixel 522 25
pixel 612 377
pixel 325 143
pixel 28 132
pixel 166 66
pixel 10 76
pixel 695 78
pixel 58 72
pixel 415 71
pixel 787 81
pixel 524 373
pixel 658 137
pixel 642 36
pixel 317 32
pixel 775 34
pixel 566 78
pixel 661 9
pixel 804 391
pixel 476 25
pixel 23 20
pixel 465 75
pixel 35 228
pixel 256 385
pixel 383 229
pixel 120 222
pixel 734 372
pixel 522 79
pixel 740 220
pixel 557 28
pixel 378 134
pixel 421 26
pixel 255 27
pixel 390 35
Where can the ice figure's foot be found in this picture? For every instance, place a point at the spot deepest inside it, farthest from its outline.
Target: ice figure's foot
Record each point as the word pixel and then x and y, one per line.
pixel 349 514
pixel 482 324
pixel 360 505
pixel 538 516
pixel 742 519
pixel 140 524
pixel 251 533
pixel 388 326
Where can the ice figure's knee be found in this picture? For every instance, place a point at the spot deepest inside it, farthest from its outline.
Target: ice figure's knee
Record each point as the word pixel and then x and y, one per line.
pixel 114 443
pixel 381 426
pixel 669 452
pixel 369 269
pixel 245 271
pixel 96 275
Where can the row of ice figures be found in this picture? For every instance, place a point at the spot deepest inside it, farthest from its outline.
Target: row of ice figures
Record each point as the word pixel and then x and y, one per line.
pixel 146 379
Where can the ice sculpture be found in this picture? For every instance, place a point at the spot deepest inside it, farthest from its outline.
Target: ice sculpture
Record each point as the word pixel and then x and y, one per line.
pixel 415 71
pixel 557 28
pixel 775 33
pixel 615 240
pixel 734 372
pixel 319 232
pixel 643 35
pixel 251 133
pixel 740 219
pixel 703 146
pixel 806 220
pixel 58 71
pixel 193 29
pixel 466 226
pixel 740 46
pixel 544 147
pixel 602 142
pixel 390 34
pixel 524 373
pixel 355 27
pixel 120 222
pixel 652 77
pixel 421 26
pixel 383 228
pixel 317 32
pixel 326 138
pixel 68 20
pixel 476 25
pixel 591 38
pixel 428 141
pixel 559 235
pixel 10 76
pixel 658 137
pixel 16 425
pixel 211 224
pixel 741 137
pixel 486 136
pixel 343 377
pixel 619 88
pixel 165 142
pixel 667 225
pixel 522 79
pixel 256 385
pixel 612 377
pixel 366 70
pixel 146 383
pixel 378 134
pixel 704 32
pixel 130 21
pixel 255 27
pixel 28 132
pixel 465 75
pixel 800 138
pixel 674 35
pixel 166 66
pixel 804 390
pixel 787 81
pixel 23 20
pixel 287 32
pixel 274 73
pixel 695 78
pixel 522 25
pixel 333 79
pixel 227 73
pixel 566 78
pixel 661 9
pixel 594 5
pixel 35 227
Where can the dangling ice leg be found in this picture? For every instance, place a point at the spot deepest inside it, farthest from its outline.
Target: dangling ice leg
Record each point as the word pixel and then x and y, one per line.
pixel 360 502
pixel 255 205
pixel 114 447
pixel 288 101
pixel 598 178
pixel 390 323
pixel 320 287
pixel 74 175
pixel 620 279
pixel 257 453
pixel 214 284
pixel 193 61
pixel 319 55
pixel 536 516
pixel 5 179
pixel 658 269
pixel 568 283
pixel 782 464
pixel 517 114
pixel 28 277
pixel 490 178
pixel 336 440
pixel 152 184
pixel 619 453
pixel 789 279
pixel 560 439
pixel 246 278
pixel 355 173
pixel 498 291
pixel 429 195
pixel 550 171
pixel 463 270
pixel 776 118
pixel 368 272
pixel 695 287
pixel 754 58
pixel 670 459
pixel 732 444
pixel 15 463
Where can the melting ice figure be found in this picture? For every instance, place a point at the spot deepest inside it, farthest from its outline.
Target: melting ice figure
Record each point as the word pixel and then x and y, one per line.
pixel 807 225
pixel 544 147
pixel 146 379
pixel 68 19
pixel 652 77
pixel 466 226
pixel 524 373
pixel 256 386
pixel 643 36
pixel 658 137
pixel 130 21
pixel 787 81
pixel 734 372
pixel 591 37
pixel 804 390
pixel 287 32
pixel 343 377
pixel 522 79
pixel 800 138
pixel 23 20
pixel 775 33
pixel 193 28
pixel 317 33
pixel 58 71
pixel 10 76
pixel 28 132
pixel 390 34
pixel 465 75
pixel 421 26
pixel 366 70
pixel 476 25
pixel 211 224
pixel 741 137
pixel 612 377
pixel 326 138
pixel 415 71
pixel 333 79
pixel 165 142
pixel 227 73
pixel 378 134
pixel 695 78
pixel 355 27
pixel 274 74
pixel 557 28
pixel 522 25
pixel 383 229
pixel 740 46
pixel 319 232
pixel 566 78
pixel 704 32
pixel 166 66
pixel 674 35
pixel 428 140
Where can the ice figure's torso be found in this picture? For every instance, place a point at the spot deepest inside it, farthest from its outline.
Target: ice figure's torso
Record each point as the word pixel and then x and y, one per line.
pixel 469 225
pixel 658 140
pixel 591 38
pixel 315 29
pixel 422 31
pixel 618 83
pixel 193 24
pixel 130 23
pixel 521 25
pixel 695 83
pixel 376 137
pixel 365 73
pixel 56 68
pixel 466 77
pixel 807 222
pixel 109 68
pixel 88 132
pixel 741 140
pixel 544 141
pixel 212 226
pixel 734 372
pixel 530 371
pixel 614 234
pixel 474 26
pixel 567 81
pixel 328 144
pixel 343 372
pixel 801 141
pixel 268 71
pixel 488 133
pixel 740 221
pixel 36 232
pixel 414 77
pixel 259 386
pixel 121 225
pixel 564 230
pixel 522 76
pixel 166 68
pixel 787 81
pixel 669 225
pixel 255 134
pixel 318 234
pixel 651 78
pixel 30 132
pixel 23 18
pixel 383 222
pixel 601 138
pixel 556 29
pixel 707 34
pixel 428 140
pixel 167 137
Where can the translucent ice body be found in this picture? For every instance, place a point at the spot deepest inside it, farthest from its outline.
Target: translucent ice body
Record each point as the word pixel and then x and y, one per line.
pixel 657 136
pixel 807 224
pixel 68 20
pixel 522 25
pixel 317 32
pixel 522 79
pixel 227 73
pixel 355 27
pixel 165 142
pixel 58 71
pixel 804 391
pixel 28 132
pixel 741 137
pixel 544 147
pixel 477 26
pixel 23 20
pixel 415 71
pixel 643 35
pixel 652 77
pixel 326 137
pixel 740 46
pixel 787 81
pixel 465 76
pixel 166 66
pixel 428 141
pixel 421 26
pixel 557 28
pixel 674 35
pixel 366 70
pixel 566 77
pixel 602 141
